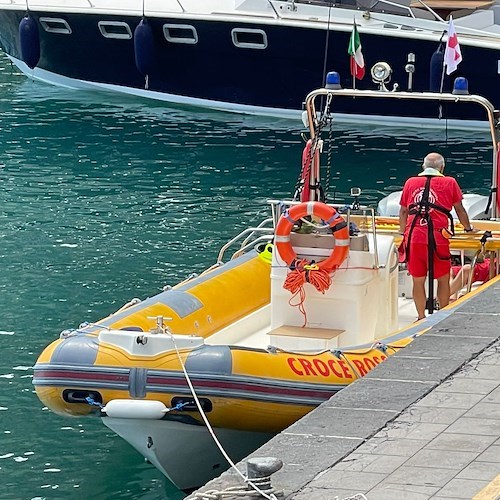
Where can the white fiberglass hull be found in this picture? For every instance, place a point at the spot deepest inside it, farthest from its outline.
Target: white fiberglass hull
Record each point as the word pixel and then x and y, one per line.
pixel 185 453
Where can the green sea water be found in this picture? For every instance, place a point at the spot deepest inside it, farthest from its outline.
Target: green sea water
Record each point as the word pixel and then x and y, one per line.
pixel 104 198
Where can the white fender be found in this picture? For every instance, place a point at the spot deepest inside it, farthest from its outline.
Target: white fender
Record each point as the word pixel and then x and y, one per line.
pixel 135 408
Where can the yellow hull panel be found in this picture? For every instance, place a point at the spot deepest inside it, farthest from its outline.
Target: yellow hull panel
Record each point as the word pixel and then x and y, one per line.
pixel 244 388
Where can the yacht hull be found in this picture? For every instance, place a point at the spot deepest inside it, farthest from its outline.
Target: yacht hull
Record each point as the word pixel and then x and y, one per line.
pixel 213 68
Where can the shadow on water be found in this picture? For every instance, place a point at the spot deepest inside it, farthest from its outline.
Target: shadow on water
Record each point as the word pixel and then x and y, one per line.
pixel 104 198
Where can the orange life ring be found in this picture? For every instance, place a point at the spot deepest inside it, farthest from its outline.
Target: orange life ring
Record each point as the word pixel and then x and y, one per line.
pixel 330 216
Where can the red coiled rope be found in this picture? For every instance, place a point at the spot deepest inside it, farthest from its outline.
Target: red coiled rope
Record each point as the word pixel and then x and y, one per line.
pixel 305 272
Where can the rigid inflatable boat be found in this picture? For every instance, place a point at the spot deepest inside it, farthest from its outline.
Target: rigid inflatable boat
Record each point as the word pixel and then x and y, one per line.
pixel 309 301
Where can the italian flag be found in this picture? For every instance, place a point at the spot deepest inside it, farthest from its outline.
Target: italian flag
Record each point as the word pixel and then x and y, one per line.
pixel 354 50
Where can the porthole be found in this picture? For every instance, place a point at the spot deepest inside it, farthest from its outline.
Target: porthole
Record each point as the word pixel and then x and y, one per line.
pixel 249 38
pixel 180 33
pixel 115 29
pixel 55 25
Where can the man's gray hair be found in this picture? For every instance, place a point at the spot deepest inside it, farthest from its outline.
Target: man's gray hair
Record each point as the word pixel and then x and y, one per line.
pixel 434 160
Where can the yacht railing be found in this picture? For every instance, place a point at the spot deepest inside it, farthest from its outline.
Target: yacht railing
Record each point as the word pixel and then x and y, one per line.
pixel 400 6
pixel 380 6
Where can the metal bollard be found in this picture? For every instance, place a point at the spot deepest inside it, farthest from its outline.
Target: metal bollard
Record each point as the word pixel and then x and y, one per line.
pixel 262 468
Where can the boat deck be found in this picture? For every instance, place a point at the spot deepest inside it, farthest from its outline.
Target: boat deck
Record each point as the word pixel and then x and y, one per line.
pixel 239 334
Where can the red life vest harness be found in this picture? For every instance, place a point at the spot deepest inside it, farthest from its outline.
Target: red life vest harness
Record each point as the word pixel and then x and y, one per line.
pixel 421 211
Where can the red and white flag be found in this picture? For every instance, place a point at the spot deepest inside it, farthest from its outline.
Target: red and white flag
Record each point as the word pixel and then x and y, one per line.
pixel 452 54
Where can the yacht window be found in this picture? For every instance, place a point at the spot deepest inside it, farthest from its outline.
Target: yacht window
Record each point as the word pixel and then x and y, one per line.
pixel 249 39
pixel 115 29
pixel 55 25
pixel 180 33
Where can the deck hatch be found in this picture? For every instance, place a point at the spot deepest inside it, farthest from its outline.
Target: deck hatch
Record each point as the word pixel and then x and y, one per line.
pixel 115 29
pixel 180 33
pixel 246 38
pixel 55 25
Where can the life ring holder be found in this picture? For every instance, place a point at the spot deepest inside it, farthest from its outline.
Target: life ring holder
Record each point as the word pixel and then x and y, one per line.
pixel 330 217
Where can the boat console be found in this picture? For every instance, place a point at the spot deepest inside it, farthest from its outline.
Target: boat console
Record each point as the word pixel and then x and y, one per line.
pixel 360 304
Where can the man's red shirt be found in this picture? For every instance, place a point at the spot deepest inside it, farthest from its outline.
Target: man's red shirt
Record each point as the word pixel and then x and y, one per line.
pixel 444 192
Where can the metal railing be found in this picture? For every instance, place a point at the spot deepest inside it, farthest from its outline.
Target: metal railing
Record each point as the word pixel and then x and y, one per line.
pixel 250 237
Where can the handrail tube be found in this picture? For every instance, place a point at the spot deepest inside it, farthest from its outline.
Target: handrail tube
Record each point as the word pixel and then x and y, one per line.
pixel 251 244
pixel 262 224
pixel 237 237
pixel 397 5
pixel 425 96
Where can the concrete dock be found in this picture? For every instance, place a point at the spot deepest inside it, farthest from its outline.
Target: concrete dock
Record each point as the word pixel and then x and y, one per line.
pixel 423 424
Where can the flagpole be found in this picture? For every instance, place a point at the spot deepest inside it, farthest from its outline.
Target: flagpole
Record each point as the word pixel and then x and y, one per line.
pixel 441 89
pixel 351 49
pixel 442 78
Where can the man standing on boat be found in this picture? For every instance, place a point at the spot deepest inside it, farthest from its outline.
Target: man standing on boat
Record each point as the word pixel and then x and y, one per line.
pixel 426 223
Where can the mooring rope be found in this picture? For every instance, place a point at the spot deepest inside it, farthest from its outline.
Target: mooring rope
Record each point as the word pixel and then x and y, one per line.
pixel 235 491
pixel 252 482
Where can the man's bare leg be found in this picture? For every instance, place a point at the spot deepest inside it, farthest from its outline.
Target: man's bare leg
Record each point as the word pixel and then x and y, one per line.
pixel 419 296
pixel 460 280
pixel 443 290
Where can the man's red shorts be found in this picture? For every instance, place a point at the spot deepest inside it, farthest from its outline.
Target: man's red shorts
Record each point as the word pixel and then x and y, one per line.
pixel 418 262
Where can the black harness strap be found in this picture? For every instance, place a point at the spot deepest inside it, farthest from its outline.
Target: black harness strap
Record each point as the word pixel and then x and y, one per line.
pixel 418 209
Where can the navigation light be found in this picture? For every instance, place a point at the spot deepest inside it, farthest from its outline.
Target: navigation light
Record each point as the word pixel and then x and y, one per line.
pixel 461 86
pixel 381 74
pixel 333 81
